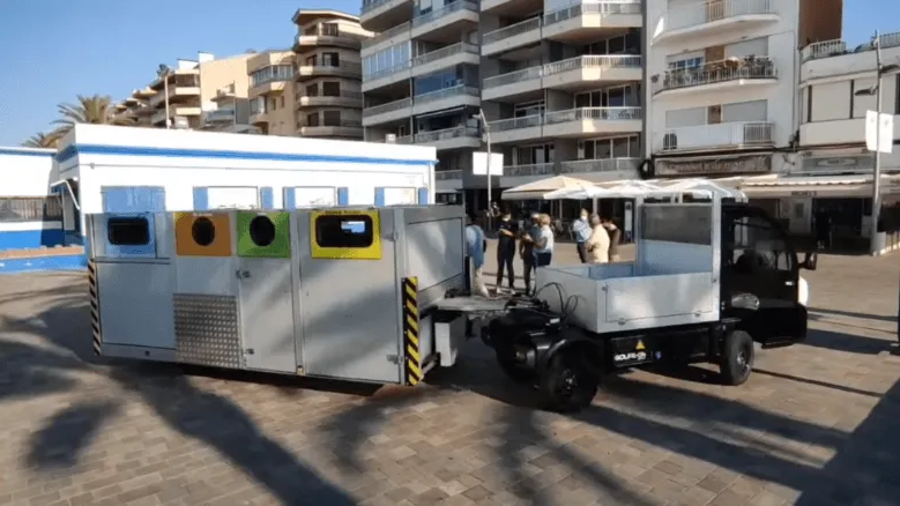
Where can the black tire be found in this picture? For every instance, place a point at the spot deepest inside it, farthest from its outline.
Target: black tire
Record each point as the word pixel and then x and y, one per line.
pixel 736 362
pixel 517 373
pixel 570 382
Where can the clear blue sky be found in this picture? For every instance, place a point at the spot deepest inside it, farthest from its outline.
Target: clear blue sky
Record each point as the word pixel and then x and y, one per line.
pixel 52 50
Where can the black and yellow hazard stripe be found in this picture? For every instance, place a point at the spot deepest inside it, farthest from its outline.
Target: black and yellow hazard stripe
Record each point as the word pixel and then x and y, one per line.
pixel 410 300
pixel 95 306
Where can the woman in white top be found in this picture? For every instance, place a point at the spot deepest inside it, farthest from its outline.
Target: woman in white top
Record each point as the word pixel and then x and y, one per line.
pixel 543 244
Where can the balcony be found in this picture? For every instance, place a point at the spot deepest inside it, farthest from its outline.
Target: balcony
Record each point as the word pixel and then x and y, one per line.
pixel 724 74
pixel 346 98
pixel 328 38
pixel 176 93
pixel 573 74
pixel 579 23
pixel 511 37
pixel 159 117
pixel 448 175
pixel 514 175
pixel 457 96
pixel 585 71
pixel 714 17
pixel 627 166
pixel 516 129
pixel 386 39
pixel 831 48
pixel 446 23
pixel 304 71
pixel 585 121
pixel 381 15
pixel 351 129
pixel 511 8
pixel 742 134
pixel 219 116
pixel 387 113
pixel 446 57
pixel 459 137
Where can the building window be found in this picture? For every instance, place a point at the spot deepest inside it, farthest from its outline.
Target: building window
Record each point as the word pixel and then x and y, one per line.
pixel 312 90
pixel 312 120
pixel 687 63
pixel 312 61
pixel 331 89
pixel 616 147
pixel 331 59
pixel 330 29
pixel 528 109
pixel 537 154
pixel 272 73
pixel 619 96
pixel 331 118
pixel 18 209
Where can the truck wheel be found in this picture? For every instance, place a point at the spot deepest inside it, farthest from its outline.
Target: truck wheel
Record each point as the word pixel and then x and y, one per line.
pixel 736 362
pixel 515 372
pixel 569 383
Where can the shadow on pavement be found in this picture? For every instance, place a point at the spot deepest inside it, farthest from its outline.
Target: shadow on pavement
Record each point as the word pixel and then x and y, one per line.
pixel 863 316
pixel 824 384
pixel 68 433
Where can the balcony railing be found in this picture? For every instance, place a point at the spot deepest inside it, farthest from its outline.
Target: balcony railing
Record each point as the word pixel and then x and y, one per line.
pixel 593 113
pixel 734 134
pixel 446 10
pixel 604 61
pixel 603 7
pixel 387 34
pixel 732 69
pixel 349 66
pixel 829 48
pixel 600 165
pixel 372 5
pixel 378 74
pixel 447 175
pixel 353 95
pixel 534 169
pixel 715 10
pixel 396 105
pixel 444 52
pixel 346 123
pixel 593 61
pixel 516 123
pixel 446 134
pixel 511 30
pixel 220 115
pixel 446 93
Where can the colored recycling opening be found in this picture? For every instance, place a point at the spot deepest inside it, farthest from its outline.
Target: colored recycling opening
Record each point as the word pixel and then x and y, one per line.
pixel 203 234
pixel 263 234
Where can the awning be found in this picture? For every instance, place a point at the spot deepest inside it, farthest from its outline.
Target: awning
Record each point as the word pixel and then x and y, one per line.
pixel 537 190
pixel 855 186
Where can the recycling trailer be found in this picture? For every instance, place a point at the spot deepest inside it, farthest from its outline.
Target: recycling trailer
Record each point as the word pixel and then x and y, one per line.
pixel 345 293
pixel 127 169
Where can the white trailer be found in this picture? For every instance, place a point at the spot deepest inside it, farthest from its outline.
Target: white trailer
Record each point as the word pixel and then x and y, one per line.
pixel 125 169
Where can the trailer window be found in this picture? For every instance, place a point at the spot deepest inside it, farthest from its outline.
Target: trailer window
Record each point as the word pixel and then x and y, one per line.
pixel 690 224
pixel 203 231
pixel 133 231
pixel 344 231
pixel 262 231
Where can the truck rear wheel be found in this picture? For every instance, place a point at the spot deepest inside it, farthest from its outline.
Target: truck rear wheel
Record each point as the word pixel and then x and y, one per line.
pixel 736 362
pixel 570 382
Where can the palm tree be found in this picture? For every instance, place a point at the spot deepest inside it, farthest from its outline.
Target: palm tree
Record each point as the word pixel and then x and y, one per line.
pixel 43 140
pixel 96 110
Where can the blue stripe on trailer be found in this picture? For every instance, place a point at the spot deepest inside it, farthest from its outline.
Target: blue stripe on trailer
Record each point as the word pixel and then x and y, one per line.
pixel 379 197
pixel 423 196
pixel 343 196
pixel 267 197
pixel 201 198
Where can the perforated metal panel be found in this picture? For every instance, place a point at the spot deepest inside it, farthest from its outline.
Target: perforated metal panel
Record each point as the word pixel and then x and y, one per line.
pixel 206 330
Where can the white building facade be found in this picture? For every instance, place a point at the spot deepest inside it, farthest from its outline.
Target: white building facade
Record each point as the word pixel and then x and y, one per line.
pixel 721 86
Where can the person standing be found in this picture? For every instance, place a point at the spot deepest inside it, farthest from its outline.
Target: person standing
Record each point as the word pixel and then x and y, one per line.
pixel 543 243
pixel 615 235
pixel 582 229
pixel 475 246
pixel 507 231
pixel 526 249
pixel 598 244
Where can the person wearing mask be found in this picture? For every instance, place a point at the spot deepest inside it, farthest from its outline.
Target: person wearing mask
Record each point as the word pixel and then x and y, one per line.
pixel 582 229
pixel 526 249
pixel 475 247
pixel 598 244
pixel 507 231
pixel 543 243
pixel 615 235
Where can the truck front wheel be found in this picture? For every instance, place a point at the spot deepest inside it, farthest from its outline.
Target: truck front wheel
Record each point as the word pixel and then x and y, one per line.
pixel 570 382
pixel 736 361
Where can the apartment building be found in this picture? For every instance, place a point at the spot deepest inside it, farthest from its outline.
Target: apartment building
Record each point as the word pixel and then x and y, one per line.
pixel 421 80
pixel 327 94
pixel 833 169
pixel 721 83
pixel 232 113
pixel 192 87
pixel 271 92
pixel 135 108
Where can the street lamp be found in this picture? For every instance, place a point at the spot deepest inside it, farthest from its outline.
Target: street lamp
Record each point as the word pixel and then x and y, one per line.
pixel 487 139
pixel 881 71
pixel 163 73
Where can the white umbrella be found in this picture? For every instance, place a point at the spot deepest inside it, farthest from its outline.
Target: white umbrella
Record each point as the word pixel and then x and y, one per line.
pixel 583 193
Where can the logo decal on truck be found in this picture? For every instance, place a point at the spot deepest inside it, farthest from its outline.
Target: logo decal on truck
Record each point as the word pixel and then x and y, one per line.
pixel 631 357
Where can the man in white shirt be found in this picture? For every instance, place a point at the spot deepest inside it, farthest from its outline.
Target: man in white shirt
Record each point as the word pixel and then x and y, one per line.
pixel 582 229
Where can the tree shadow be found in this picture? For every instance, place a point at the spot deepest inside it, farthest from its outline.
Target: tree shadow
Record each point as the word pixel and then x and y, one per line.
pixel 849 343
pixel 851 314
pixel 60 441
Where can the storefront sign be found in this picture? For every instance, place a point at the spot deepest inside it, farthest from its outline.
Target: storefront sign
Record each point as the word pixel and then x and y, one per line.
pixel 851 163
pixel 713 165
pixel 804 194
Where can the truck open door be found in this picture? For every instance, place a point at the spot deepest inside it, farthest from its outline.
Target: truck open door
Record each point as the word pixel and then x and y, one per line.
pixel 759 264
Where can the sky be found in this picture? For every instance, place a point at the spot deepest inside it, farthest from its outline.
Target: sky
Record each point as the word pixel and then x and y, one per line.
pixel 53 50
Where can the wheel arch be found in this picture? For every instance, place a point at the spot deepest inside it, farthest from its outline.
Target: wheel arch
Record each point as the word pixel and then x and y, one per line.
pixel 574 339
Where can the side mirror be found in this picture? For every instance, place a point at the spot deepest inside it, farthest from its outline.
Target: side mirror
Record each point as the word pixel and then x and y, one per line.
pixel 810 260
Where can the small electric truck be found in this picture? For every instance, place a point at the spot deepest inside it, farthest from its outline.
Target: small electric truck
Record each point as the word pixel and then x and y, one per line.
pixel 711 275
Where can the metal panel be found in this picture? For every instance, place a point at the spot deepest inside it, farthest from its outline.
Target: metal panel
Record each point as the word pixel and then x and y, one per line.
pixel 338 294
pixel 137 304
pixel 133 199
pixel 206 330
pixel 266 197
pixel 267 315
pixel 423 196
pixel 434 251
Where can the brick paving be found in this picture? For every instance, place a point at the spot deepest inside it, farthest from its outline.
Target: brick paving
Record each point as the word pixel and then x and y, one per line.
pixel 815 425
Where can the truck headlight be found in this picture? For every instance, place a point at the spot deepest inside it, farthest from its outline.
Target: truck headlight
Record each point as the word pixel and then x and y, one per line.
pixel 803 292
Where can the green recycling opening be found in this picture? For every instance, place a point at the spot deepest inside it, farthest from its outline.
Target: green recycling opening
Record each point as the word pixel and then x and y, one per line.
pixel 263 234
